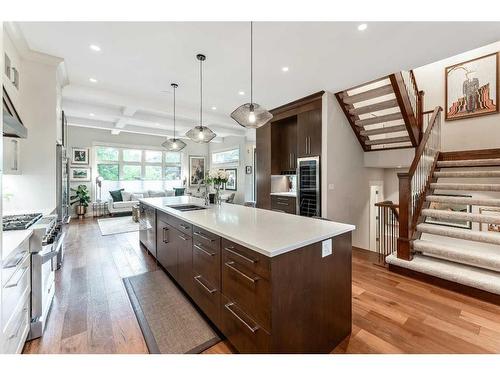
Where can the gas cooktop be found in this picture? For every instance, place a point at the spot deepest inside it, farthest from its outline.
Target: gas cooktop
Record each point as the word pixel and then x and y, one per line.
pixel 19 222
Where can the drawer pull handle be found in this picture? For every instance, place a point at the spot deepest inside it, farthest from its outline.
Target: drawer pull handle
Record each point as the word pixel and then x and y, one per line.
pixel 282 203
pixel 16 283
pixel 229 306
pixel 211 291
pixel 232 268
pixel 231 250
pixel 165 239
pixel 184 226
pixel 182 238
pixel 198 247
pixel 199 234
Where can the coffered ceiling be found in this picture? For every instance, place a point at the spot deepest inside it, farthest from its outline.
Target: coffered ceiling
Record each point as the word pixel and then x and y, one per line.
pixel 137 62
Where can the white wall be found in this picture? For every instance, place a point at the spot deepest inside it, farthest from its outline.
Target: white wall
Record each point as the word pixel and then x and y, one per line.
pixel 467 134
pixel 244 182
pixel 348 200
pixel 85 137
pixel 36 102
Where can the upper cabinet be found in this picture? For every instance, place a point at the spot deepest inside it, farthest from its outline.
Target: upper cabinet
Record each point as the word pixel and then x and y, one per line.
pixel 284 146
pixel 309 133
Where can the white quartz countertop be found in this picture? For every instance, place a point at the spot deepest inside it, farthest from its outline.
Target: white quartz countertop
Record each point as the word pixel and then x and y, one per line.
pixel 286 194
pixel 267 232
pixel 11 239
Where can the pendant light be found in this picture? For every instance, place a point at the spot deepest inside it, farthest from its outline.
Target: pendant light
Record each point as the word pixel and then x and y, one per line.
pixel 174 144
pixel 200 133
pixel 251 115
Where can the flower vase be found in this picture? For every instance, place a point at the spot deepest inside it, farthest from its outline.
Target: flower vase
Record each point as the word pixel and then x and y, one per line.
pixel 217 195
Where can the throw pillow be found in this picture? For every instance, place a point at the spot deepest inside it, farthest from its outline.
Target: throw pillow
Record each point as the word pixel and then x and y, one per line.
pixel 136 196
pixel 126 196
pixel 116 195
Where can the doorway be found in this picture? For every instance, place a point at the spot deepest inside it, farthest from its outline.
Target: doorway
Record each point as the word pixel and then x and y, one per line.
pixel 376 195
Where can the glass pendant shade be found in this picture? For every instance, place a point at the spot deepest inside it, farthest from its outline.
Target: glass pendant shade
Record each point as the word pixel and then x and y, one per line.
pixel 251 116
pixel 200 134
pixel 173 144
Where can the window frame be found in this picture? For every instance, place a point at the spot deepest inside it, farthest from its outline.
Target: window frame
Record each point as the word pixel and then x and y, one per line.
pixel 232 162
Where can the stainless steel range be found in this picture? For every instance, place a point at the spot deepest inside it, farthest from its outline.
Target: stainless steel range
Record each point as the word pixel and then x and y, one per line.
pixel 18 222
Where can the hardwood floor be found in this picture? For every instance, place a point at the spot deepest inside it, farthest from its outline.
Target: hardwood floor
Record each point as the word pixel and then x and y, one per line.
pixel 91 312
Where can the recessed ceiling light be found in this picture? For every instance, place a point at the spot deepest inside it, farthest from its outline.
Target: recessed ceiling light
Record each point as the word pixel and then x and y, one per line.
pixel 285 69
pixel 95 47
pixel 362 27
pixel 214 108
pixel 93 80
pixel 91 114
pixel 241 92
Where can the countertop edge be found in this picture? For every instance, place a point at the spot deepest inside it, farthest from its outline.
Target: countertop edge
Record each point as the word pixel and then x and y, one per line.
pixel 270 254
pixel 14 242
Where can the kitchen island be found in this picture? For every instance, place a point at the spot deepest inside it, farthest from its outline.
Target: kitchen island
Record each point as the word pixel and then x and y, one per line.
pixel 271 282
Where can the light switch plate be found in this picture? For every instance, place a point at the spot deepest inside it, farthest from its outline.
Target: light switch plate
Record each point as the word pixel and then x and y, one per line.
pixel 326 248
pixel 331 187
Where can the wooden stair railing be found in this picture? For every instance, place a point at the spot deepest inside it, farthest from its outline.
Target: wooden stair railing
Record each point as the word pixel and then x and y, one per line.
pixel 406 97
pixel 387 229
pixel 414 184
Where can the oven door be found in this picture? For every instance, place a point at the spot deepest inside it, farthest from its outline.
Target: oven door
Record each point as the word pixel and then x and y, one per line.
pixel 42 281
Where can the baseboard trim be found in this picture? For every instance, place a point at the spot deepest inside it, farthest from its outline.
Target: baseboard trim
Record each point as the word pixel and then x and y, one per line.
pixel 446 284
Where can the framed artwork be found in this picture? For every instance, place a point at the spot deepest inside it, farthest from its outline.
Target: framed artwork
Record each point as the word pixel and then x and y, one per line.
pixel 197 170
pixel 248 169
pixel 452 208
pixel 232 183
pixel 80 156
pixel 493 211
pixel 471 88
pixel 79 174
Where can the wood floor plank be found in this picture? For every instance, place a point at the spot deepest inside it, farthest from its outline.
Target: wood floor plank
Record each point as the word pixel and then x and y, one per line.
pixel 391 313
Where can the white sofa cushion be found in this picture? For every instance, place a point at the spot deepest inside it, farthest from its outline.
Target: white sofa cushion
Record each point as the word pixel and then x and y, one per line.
pixel 136 196
pixel 126 195
pixel 127 204
pixel 153 193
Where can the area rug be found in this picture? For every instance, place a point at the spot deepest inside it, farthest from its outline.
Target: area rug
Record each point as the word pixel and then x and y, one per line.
pixel 169 323
pixel 115 225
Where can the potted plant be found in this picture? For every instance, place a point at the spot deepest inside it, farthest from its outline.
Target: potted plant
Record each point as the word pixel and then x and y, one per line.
pixel 217 177
pixel 82 197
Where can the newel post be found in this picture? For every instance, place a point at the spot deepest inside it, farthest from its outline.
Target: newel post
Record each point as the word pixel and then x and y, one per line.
pixel 404 250
pixel 420 116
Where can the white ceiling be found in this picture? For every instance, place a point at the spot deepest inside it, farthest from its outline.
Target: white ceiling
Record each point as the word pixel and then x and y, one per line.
pixel 139 60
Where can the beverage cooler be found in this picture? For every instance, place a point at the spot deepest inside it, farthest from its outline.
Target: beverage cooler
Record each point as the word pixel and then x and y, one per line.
pixel 308 187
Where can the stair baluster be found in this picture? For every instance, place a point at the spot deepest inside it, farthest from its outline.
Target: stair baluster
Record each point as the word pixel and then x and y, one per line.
pixel 414 184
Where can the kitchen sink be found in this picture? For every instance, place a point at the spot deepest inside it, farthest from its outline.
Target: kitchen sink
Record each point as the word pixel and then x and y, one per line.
pixel 187 207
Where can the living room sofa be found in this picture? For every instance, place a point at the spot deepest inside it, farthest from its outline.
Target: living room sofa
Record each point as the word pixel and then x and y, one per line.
pixel 129 199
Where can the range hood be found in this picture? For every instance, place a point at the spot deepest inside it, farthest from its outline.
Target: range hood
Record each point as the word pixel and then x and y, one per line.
pixel 12 124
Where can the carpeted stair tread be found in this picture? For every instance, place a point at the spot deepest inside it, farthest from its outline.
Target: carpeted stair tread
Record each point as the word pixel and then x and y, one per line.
pixel 467 187
pixel 468 163
pixel 461 216
pixel 473 174
pixel 459 273
pixel 479 257
pixel 463 200
pixel 464 234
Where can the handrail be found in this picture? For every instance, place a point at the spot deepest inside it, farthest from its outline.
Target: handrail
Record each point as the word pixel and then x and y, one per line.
pixel 387 229
pixel 410 100
pixel 389 204
pixel 414 184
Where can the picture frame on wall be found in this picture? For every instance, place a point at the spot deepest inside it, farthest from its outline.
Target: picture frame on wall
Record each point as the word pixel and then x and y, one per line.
pixel 80 156
pixel 471 88
pixel 465 208
pixel 79 174
pixel 487 227
pixel 232 180
pixel 197 170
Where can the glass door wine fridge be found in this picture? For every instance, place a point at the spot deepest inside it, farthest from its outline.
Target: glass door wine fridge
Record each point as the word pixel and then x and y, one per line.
pixel 308 187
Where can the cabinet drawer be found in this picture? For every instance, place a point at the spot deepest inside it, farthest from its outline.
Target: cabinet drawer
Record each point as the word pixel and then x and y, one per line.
pixel 284 204
pixel 207 297
pixel 17 328
pixel 16 287
pixel 206 262
pixel 251 260
pixel 249 290
pixel 241 330
pixel 178 224
pixel 207 239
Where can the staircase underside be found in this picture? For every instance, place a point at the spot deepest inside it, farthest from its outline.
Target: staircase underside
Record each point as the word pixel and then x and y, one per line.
pixel 376 117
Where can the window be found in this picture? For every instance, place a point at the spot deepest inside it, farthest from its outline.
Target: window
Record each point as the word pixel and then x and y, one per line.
pixel 110 172
pixel 172 173
pixel 132 172
pixel 132 155
pixel 172 157
pixel 153 156
pixel 152 172
pixel 226 157
pixel 107 154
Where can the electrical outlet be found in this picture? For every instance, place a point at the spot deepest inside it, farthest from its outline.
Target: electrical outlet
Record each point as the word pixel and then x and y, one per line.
pixel 326 248
pixel 331 186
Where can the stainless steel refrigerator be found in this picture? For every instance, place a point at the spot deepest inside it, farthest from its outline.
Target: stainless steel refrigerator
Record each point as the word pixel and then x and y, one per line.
pixel 62 185
pixel 308 187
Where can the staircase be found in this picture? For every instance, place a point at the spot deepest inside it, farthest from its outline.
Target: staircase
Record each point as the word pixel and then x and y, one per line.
pixel 470 253
pixel 384 114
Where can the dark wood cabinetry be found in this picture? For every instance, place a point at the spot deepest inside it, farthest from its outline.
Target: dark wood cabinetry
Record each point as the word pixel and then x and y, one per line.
pixel 294 132
pixel 284 204
pixel 296 302
pixel 309 133
pixel 147 233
